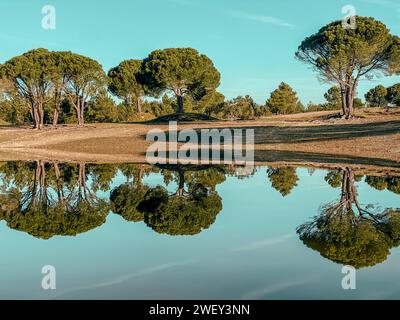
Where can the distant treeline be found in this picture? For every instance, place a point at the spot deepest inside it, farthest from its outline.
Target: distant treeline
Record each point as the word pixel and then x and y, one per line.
pixel 43 87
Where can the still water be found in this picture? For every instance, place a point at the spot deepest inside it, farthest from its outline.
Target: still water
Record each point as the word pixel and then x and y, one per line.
pixel 131 231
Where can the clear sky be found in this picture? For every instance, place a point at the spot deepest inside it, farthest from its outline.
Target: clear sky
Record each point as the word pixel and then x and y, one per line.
pixel 252 42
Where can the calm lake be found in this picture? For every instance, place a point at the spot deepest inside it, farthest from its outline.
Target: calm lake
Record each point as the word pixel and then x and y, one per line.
pixel 129 231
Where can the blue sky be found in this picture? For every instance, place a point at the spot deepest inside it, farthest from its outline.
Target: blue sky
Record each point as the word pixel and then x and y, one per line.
pixel 251 42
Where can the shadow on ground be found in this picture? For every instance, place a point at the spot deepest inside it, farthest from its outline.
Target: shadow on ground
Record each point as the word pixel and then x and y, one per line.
pixel 300 134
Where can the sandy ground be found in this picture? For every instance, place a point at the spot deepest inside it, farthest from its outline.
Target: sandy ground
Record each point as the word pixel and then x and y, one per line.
pixel 372 140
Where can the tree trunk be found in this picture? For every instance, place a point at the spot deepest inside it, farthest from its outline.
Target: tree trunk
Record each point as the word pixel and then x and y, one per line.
pixel 57 107
pixel 349 103
pixel 82 180
pixel 80 107
pixel 32 112
pixel 83 116
pixel 80 122
pixel 343 98
pixel 179 96
pixel 55 117
pixel 181 183
pixel 81 113
pixel 180 103
pixel 40 111
pixel 35 116
pixel 348 94
pixel 349 191
pixel 138 105
pixel 58 182
pixel 140 176
pixel 38 117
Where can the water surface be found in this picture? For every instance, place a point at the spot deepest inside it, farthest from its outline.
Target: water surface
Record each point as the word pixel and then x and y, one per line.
pixel 140 232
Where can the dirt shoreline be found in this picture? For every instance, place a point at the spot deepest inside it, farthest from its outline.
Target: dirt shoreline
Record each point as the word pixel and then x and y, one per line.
pixel 370 141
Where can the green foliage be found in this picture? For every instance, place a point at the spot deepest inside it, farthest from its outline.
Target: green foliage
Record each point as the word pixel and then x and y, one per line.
pixel 33 69
pixel 102 176
pixel 313 107
pixel 180 215
pixel 182 71
pixel 44 222
pixel 67 112
pixel 15 111
pixel 284 101
pixel 346 232
pixel 283 179
pixel 125 200
pixel 48 199
pixel 15 174
pixel 392 219
pixel 84 80
pixel 83 74
pixel 394 57
pixel 357 103
pixel 211 103
pixel 101 109
pixel 43 80
pixel 128 112
pixel 359 241
pixel 13 108
pixel 126 82
pixel 334 179
pixel 153 108
pixel 393 94
pixel 376 97
pixel 241 108
pixel 394 184
pixel 165 107
pixel 32 74
pixel 381 183
pixel 345 56
pixel 336 238
pixel 333 98
pixel 208 178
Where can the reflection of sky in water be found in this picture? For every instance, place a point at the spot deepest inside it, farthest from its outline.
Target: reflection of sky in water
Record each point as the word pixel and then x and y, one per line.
pixel 252 251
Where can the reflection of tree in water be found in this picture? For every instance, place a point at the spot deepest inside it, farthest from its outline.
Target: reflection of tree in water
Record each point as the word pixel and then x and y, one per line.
pixel 241 172
pixel 283 179
pixel 186 211
pixel 347 232
pixel 102 176
pixel 335 178
pixel 126 198
pixel 384 183
pixel 55 200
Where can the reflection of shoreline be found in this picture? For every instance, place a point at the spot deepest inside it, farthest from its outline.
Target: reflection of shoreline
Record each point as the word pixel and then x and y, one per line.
pixel 273 158
pixel 374 137
pixel 46 199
